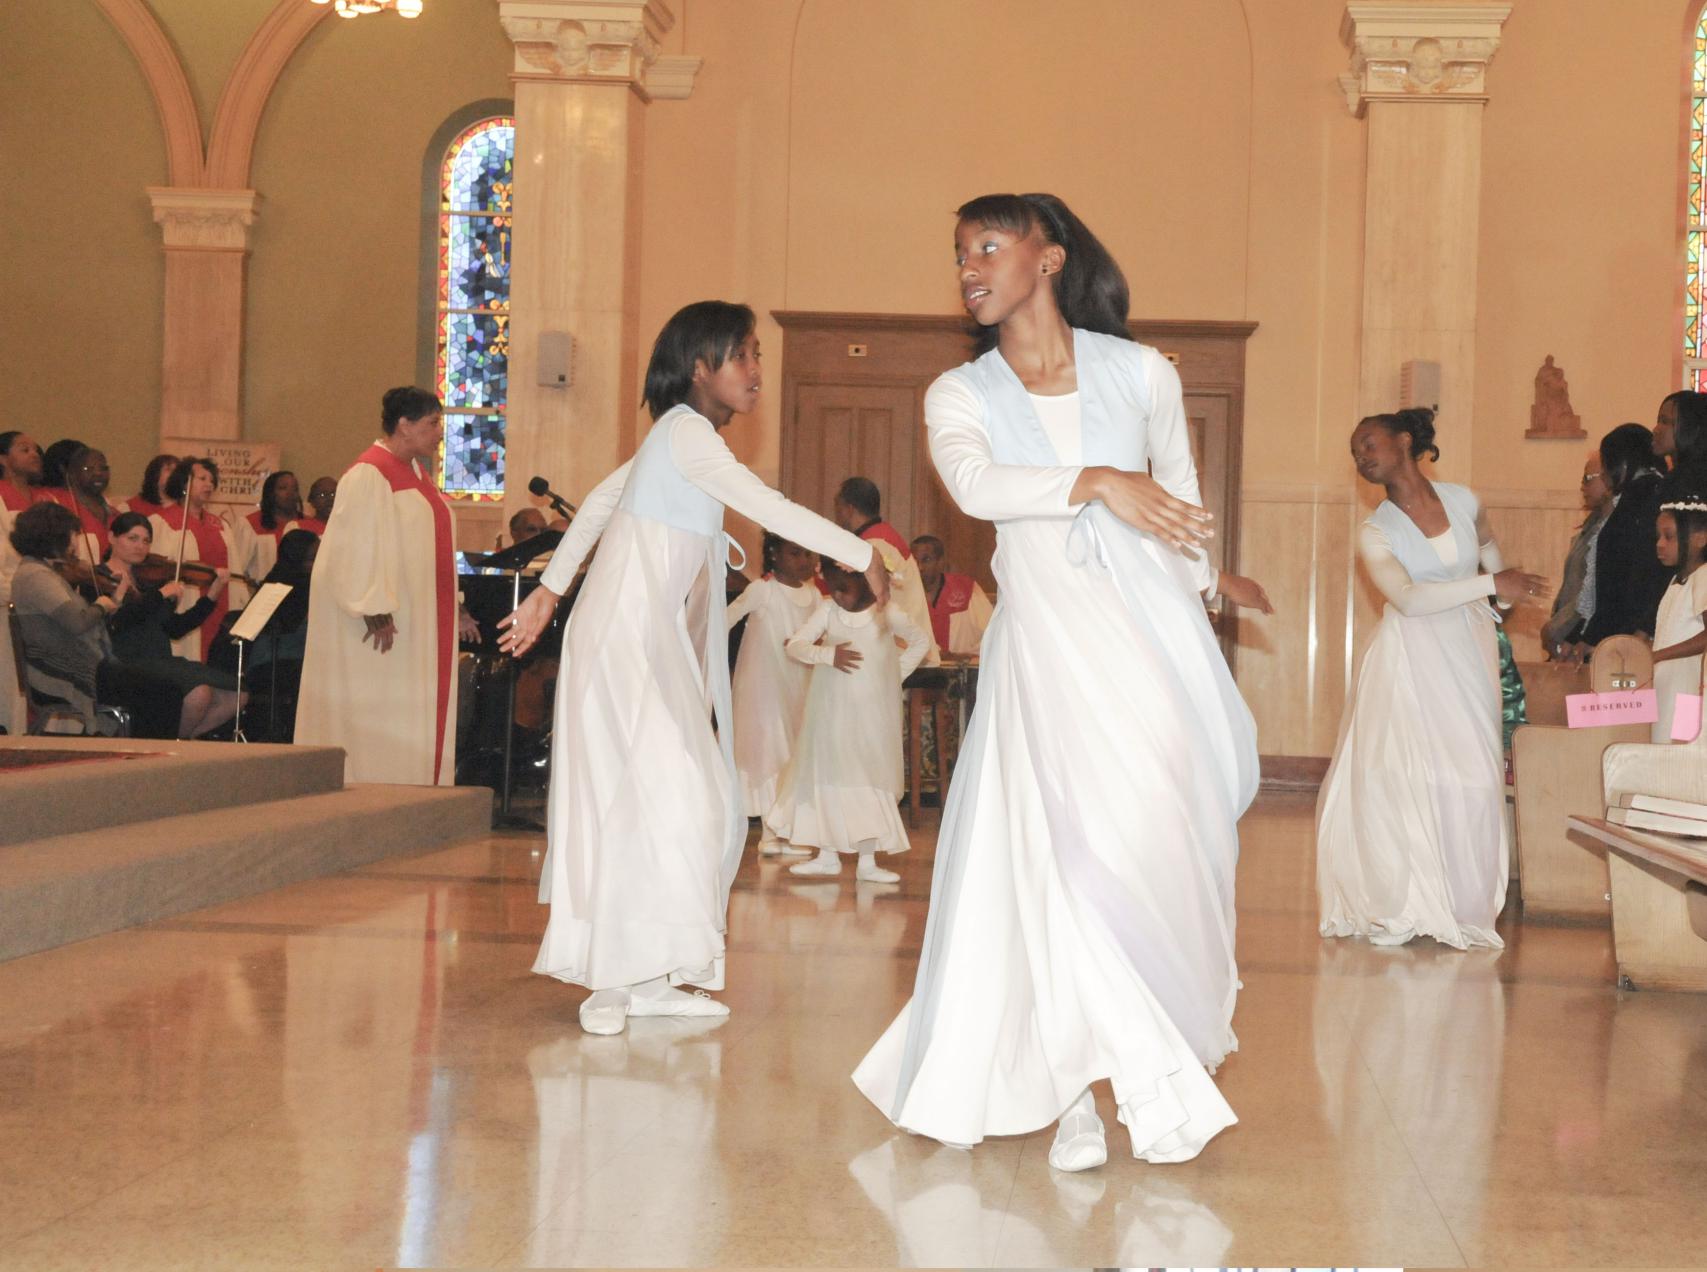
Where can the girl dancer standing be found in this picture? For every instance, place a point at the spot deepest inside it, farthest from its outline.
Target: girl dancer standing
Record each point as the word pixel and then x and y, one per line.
pixel 769 686
pixel 1410 826
pixel 840 790
pixel 1081 920
pixel 1680 635
pixel 646 817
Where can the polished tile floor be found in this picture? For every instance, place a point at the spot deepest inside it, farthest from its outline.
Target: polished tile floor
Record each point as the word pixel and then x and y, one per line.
pixel 362 1070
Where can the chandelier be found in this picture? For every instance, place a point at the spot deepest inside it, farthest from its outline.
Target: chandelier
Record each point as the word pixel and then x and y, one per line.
pixel 356 8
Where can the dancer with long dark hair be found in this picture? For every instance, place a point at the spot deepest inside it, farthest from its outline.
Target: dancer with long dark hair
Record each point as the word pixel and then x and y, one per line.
pixel 1081 920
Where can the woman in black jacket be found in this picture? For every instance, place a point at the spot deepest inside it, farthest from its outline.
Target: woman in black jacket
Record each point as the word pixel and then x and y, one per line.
pixel 1628 577
pixel 148 621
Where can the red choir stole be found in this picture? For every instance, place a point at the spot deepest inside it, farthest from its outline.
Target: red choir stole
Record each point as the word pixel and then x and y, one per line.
pixel 954 596
pixel 402 476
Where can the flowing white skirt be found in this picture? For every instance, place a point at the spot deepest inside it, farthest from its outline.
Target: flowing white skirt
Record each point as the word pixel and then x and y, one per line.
pixel 1410 825
pixel 1082 911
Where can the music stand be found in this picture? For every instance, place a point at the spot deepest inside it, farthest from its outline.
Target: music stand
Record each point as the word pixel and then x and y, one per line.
pixel 514 561
pixel 249 625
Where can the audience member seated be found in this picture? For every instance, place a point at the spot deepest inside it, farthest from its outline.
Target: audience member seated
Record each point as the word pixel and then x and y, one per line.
pixel 1574 604
pixel 148 620
pixel 1628 577
pixel 959 609
pixel 320 497
pixel 150 497
pixel 67 649
pixel 859 508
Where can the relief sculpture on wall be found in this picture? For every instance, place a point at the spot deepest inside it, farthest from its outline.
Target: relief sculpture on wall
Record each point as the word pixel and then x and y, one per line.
pixel 1551 415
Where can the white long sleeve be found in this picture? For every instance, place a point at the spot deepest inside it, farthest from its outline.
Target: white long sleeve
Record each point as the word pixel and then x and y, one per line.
pixel 1414 599
pixel 1170 452
pixel 803 646
pixel 960 448
pixel 743 604
pixel 706 460
pixel 584 531
pixel 917 640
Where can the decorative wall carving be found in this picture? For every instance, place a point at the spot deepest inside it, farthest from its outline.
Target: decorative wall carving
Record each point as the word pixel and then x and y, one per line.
pixel 592 39
pixel 204 220
pixel 1403 52
pixel 1551 416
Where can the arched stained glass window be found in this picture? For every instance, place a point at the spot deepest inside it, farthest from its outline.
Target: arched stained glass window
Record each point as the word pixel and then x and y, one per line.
pixel 1694 336
pixel 472 363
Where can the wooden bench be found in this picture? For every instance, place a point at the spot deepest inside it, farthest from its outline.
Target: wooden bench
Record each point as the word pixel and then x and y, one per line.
pixel 1659 904
pixel 1557 774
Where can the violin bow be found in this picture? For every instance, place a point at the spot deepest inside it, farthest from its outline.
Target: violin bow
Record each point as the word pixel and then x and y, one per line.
pixel 183 529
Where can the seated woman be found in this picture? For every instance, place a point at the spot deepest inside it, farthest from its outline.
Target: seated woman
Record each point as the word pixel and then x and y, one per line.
pixel 148 620
pixel 67 649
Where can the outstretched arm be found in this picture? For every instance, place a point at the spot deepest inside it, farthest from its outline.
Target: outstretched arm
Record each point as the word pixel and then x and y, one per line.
pixel 1410 598
pixel 584 531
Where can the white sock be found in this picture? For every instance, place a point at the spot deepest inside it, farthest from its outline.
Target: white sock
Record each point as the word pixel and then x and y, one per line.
pixel 869 869
pixel 1079 1142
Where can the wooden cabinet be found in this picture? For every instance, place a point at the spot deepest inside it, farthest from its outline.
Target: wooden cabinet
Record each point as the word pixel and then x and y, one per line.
pixel 853 388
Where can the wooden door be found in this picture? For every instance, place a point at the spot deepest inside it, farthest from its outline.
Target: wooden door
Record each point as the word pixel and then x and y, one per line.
pixel 854 430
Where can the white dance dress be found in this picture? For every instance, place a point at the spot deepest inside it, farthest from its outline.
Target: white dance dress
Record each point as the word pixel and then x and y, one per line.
pixel 1081 919
pixel 841 788
pixel 645 817
pixel 1410 825
pixel 1678 619
pixel 769 686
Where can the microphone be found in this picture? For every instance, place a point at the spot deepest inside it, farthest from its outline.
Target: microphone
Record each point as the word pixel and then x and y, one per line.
pixel 541 488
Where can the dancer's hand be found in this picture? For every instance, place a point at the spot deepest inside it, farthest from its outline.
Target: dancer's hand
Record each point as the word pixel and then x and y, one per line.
pixel 1244 592
pixel 1515 586
pixel 1140 500
pixel 382 631
pixel 847 658
pixel 521 630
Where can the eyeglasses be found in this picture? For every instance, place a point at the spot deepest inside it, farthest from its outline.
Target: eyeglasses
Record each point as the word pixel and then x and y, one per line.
pixel 1588 477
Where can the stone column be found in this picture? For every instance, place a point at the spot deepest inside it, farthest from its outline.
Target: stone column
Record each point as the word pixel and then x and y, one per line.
pixel 1419 75
pixel 206 234
pixel 581 79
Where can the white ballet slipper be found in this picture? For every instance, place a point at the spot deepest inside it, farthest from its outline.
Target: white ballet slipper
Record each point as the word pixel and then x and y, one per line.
pixel 1079 1140
pixel 781 848
pixel 871 872
pixel 676 1002
pixel 825 863
pixel 605 1011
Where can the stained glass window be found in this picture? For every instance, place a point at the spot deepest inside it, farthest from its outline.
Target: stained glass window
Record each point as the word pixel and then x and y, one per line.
pixel 472 365
pixel 1694 337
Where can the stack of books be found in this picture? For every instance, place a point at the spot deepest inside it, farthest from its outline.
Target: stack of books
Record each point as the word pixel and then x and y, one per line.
pixel 1654 812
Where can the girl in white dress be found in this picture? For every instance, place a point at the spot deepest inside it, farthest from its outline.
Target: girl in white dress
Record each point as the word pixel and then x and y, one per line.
pixel 1081 917
pixel 840 791
pixel 646 820
pixel 1410 824
pixel 1680 635
pixel 769 686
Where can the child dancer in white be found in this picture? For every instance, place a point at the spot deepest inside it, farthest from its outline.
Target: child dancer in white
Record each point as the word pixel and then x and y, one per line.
pixel 1680 635
pixel 840 790
pixel 770 687
pixel 646 826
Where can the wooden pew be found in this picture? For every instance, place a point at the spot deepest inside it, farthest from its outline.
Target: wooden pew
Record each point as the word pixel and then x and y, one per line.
pixel 1557 775
pixel 1659 904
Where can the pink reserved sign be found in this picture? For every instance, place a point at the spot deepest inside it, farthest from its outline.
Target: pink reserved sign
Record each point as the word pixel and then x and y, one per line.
pixel 1631 706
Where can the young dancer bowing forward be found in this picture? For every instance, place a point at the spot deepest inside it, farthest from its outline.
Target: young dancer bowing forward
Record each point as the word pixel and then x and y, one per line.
pixel 769 686
pixel 839 792
pixel 646 817
pixel 1680 635
pixel 1081 917
pixel 1410 825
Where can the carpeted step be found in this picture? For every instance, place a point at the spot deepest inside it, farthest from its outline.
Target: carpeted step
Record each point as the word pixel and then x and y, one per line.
pixel 71 887
pixel 163 779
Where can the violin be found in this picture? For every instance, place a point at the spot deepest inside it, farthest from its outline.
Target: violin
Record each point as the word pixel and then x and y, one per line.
pixel 155 570
pixel 90 581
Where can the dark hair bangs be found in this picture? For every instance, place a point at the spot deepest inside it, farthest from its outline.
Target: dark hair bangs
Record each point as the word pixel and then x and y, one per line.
pixel 706 331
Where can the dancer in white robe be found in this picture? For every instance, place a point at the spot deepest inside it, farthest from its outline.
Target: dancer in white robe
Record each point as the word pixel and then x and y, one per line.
pixel 646 820
pixel 1081 919
pixel 841 789
pixel 769 687
pixel 378 675
pixel 1410 824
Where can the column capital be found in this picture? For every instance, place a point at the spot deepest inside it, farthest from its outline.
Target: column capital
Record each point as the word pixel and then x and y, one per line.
pixel 1419 52
pixel 598 41
pixel 195 218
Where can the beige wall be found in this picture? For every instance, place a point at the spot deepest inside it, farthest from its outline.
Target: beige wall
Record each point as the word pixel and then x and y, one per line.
pixel 816 165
